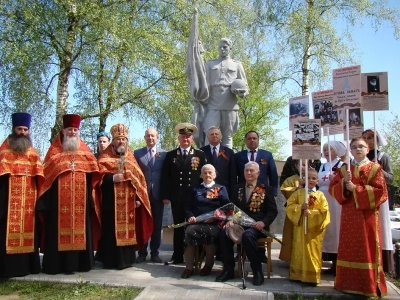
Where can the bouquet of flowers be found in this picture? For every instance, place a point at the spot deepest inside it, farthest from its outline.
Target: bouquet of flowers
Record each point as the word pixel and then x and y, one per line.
pixel 241 218
pixel 220 214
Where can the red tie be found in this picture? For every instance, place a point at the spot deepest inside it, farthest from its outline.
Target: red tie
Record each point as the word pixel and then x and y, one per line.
pixel 252 155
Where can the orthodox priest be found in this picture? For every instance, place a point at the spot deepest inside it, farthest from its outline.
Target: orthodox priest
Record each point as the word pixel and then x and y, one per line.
pixel 66 205
pixel 21 174
pixel 126 218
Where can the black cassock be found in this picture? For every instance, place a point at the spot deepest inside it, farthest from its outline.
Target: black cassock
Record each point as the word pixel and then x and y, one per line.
pixel 13 265
pixel 54 261
pixel 112 256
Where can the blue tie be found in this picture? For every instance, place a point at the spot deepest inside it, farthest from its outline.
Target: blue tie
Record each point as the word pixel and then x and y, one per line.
pixel 214 155
pixel 151 160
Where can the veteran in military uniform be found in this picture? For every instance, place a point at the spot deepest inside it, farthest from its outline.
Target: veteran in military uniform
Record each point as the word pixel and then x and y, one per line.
pixel 181 170
pixel 222 104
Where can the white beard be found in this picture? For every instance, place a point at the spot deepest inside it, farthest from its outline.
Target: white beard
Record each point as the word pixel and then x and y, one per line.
pixel 121 150
pixel 70 143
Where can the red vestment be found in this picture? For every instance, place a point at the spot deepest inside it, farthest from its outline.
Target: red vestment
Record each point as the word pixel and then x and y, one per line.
pixel 25 173
pixel 133 226
pixel 359 263
pixel 69 168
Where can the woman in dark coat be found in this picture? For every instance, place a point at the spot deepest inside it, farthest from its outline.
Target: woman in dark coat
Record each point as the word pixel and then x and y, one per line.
pixel 203 198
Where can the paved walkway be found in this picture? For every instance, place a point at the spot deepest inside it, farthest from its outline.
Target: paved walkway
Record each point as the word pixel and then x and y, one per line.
pixel 164 282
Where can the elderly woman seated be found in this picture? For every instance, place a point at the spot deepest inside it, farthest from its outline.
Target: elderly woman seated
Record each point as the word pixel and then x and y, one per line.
pixel 203 198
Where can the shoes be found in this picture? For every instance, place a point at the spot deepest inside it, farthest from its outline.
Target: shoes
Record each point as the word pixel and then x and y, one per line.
pixel 140 259
pixel 187 273
pixel 264 259
pixel 156 259
pixel 205 271
pixel 174 262
pixel 225 276
pixel 311 284
pixel 331 271
pixel 258 278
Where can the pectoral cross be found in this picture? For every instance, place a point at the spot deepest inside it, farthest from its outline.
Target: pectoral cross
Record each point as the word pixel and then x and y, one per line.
pixel 72 165
pixel 121 163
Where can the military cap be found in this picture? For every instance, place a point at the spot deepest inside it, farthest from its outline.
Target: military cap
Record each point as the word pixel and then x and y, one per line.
pixel 185 128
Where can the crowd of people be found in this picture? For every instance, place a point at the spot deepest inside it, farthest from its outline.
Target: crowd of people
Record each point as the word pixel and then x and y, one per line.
pixel 76 203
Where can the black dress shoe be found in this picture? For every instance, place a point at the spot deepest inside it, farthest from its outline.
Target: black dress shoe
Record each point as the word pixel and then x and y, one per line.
pixel 258 278
pixel 140 259
pixel 225 276
pixel 264 259
pixel 156 259
pixel 174 262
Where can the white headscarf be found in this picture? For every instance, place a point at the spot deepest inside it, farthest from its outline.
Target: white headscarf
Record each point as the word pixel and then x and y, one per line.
pixel 339 148
pixel 381 140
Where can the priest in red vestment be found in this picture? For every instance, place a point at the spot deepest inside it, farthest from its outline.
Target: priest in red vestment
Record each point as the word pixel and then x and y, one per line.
pixel 126 218
pixel 360 191
pixel 21 174
pixel 70 212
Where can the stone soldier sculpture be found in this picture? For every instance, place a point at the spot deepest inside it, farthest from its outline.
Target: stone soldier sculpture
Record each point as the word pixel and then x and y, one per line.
pixel 226 80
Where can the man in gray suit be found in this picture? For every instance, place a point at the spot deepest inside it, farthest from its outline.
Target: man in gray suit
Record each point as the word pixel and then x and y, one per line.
pixel 151 159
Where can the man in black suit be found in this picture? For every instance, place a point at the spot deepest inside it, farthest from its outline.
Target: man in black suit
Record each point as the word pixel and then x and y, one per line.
pixel 257 200
pixel 222 158
pixel 264 158
pixel 181 170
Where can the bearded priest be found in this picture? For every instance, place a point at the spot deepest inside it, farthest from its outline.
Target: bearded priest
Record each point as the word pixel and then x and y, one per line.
pixel 69 211
pixel 126 218
pixel 21 174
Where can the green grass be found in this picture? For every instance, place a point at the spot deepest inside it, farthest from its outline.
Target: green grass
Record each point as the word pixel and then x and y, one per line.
pixel 60 291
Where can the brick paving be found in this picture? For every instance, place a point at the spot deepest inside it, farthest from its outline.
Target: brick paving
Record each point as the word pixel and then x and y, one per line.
pixel 164 282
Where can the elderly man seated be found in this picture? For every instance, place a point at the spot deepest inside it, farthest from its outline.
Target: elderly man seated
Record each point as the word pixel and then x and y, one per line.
pixel 256 200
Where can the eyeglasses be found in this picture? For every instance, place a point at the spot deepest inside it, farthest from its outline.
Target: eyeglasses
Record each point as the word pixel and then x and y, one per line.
pixel 360 147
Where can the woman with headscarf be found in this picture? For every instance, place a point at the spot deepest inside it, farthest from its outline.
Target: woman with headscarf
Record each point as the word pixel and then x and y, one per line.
pixel 384 216
pixel 334 162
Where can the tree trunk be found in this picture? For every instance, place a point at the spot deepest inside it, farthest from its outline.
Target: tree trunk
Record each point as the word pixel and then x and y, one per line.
pixel 66 60
pixel 307 43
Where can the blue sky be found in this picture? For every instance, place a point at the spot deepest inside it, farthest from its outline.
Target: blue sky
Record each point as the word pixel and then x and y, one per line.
pixel 380 52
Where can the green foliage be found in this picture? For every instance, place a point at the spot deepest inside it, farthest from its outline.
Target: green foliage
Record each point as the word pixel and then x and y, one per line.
pixel 60 291
pixel 127 58
pixel 391 132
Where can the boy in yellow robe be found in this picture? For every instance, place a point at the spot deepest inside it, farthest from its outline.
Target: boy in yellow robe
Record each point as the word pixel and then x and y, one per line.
pixel 306 260
pixel 288 187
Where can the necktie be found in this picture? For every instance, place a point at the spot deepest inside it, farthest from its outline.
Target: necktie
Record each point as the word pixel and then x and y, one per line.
pixel 151 160
pixel 252 155
pixel 214 155
pixel 184 153
pixel 249 185
pixel 310 191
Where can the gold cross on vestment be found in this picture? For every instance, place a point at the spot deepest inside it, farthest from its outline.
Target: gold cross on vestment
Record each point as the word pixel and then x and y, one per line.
pixel 14 243
pixel 29 210
pixel 79 209
pixel 121 163
pixel 72 165
pixel 65 209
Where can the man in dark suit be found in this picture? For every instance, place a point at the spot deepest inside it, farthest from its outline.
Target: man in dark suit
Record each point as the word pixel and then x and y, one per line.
pixel 151 159
pixel 181 170
pixel 255 199
pixel 222 158
pixel 268 172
